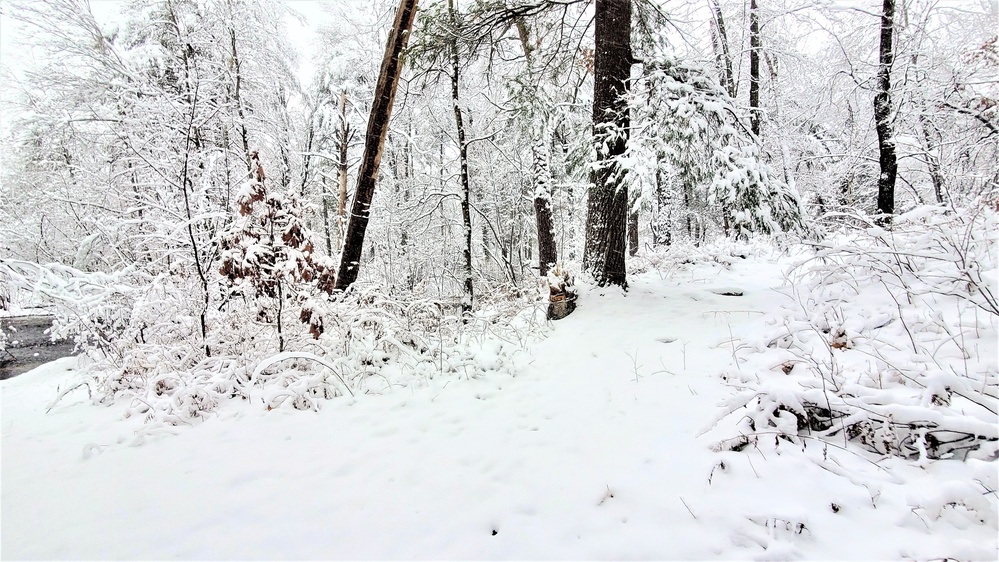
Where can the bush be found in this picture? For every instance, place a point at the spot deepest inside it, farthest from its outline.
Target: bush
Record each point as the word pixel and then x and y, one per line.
pixel 890 343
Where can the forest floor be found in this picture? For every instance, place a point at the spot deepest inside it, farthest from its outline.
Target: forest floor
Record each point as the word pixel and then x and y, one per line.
pixel 599 448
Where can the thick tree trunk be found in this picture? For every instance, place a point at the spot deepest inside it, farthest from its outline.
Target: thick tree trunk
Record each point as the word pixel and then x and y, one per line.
pixel 374 142
pixel 882 117
pixel 607 204
pixel 755 118
pixel 547 254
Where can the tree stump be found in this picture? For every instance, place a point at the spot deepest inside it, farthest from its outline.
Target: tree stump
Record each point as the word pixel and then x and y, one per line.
pixel 561 293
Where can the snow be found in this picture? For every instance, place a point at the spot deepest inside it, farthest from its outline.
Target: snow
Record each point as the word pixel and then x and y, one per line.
pixel 601 446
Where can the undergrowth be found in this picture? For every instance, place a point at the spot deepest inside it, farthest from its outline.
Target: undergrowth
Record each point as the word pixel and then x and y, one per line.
pixel 888 343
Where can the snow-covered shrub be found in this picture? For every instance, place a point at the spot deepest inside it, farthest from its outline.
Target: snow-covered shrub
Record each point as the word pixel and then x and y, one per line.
pixel 372 343
pixel 890 343
pixel 268 257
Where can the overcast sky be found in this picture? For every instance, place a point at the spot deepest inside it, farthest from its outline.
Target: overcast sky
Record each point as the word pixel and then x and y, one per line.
pixel 302 36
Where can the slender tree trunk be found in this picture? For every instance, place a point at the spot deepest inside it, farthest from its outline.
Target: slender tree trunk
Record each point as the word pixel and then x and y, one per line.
pixel 326 217
pixel 931 136
pixel 374 143
pixel 882 117
pixel 607 203
pixel 237 97
pixel 310 136
pixel 547 253
pixel 932 161
pixel 722 55
pixel 344 138
pixel 186 185
pixel 755 117
pixel 466 216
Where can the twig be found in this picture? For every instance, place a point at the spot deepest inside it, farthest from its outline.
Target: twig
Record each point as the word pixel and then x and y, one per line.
pixel 687 506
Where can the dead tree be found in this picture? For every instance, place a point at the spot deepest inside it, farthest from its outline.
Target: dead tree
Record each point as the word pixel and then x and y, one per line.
pixel 374 143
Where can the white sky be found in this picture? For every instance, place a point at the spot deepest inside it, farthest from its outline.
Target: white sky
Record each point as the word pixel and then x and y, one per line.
pixel 302 35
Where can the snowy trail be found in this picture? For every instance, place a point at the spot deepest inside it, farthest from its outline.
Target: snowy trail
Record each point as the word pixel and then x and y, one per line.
pixel 575 457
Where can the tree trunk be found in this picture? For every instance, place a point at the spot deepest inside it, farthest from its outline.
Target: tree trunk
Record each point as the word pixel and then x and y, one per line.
pixel 754 69
pixel 327 227
pixel 932 162
pixel 466 216
pixel 662 220
pixel 931 136
pixel 344 139
pixel 310 136
pixel 238 99
pixel 547 253
pixel 633 233
pixel 723 57
pixel 607 203
pixel 882 118
pixel 374 142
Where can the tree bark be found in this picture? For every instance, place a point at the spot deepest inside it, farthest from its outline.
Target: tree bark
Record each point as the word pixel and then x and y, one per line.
pixel 547 253
pixel 633 233
pixel 607 202
pixel 326 218
pixel 932 162
pixel 882 117
pixel 466 217
pixel 238 97
pixel 755 117
pixel 344 138
pixel 662 219
pixel 374 143
pixel 722 54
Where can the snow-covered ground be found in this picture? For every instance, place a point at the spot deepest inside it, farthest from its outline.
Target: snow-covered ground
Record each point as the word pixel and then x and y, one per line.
pixel 599 448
